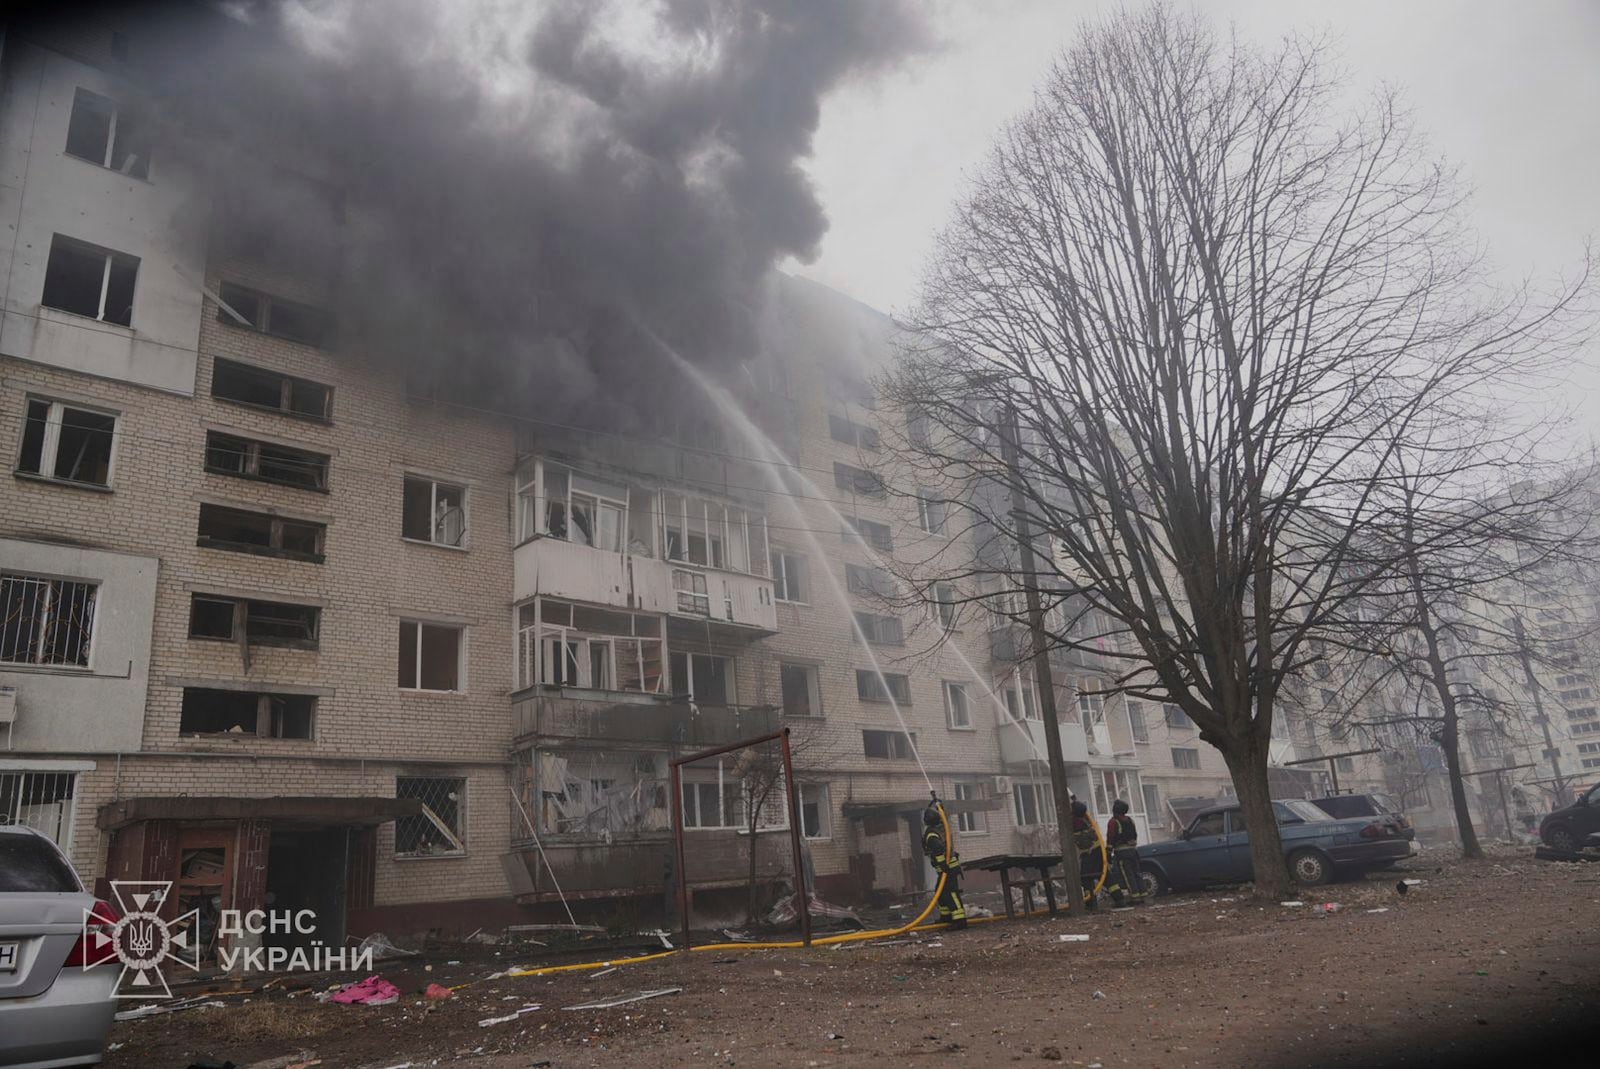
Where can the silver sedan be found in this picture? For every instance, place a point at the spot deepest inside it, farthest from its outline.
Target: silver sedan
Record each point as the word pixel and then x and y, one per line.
pixel 54 1011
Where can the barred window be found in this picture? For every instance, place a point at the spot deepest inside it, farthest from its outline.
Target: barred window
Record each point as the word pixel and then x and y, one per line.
pixel 41 801
pixel 439 830
pixel 45 621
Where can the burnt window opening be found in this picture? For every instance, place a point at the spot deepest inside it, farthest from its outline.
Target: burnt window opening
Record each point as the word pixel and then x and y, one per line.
pixel 102 133
pixel 91 281
pixel 61 441
pixel 261 388
pixel 432 511
pixel 430 656
pixel 855 480
pixel 244 712
pixel 890 744
pixel 871 688
pixel 228 454
pixel 850 432
pixel 881 630
pixel 277 316
pixel 261 623
pixel 877 535
pixel 439 829
pixel 242 531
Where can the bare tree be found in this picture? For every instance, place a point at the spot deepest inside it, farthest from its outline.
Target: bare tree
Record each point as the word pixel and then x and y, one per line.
pixel 1200 294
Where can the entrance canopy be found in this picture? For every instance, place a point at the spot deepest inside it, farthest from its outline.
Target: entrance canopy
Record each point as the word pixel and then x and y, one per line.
pixel 310 812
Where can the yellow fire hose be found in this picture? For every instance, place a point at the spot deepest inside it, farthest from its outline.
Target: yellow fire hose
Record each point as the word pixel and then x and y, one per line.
pixel 831 940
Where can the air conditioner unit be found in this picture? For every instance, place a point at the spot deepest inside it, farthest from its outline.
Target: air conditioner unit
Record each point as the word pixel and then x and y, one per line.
pixel 1002 785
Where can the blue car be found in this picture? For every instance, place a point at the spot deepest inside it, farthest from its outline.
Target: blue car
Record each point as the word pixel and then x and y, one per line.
pixel 1215 848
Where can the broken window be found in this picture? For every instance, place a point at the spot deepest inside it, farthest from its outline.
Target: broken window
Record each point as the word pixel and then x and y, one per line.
pixel 853 480
pixel 566 645
pixel 1177 719
pixel 247 385
pixel 693 596
pixel 877 535
pixel 852 433
pixel 439 830
pixel 45 621
pixel 228 454
pixel 244 712
pixel 957 713
pixel 577 508
pixel 104 134
pixel 1033 804
pixel 261 623
pixel 258 532
pixel 700 531
pixel 88 280
pixel 1136 726
pixel 1155 813
pixel 1185 757
pixel 1018 693
pixel 930 512
pixel 788 576
pixel 896 744
pixel 1091 704
pixel 871 688
pixel 847 389
pixel 880 630
pixel 432 511
pixel 65 442
pixel 969 822
pixel 254 310
pixel 816 814
pixel 802 691
pixel 870 582
pixel 430 656
pixel 703 678
pixel 943 599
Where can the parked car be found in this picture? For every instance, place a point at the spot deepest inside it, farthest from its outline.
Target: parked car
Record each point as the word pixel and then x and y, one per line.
pixel 1345 806
pixel 1215 847
pixel 53 1010
pixel 1575 825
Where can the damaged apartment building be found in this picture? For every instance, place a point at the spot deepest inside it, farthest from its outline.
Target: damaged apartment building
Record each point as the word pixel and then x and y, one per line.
pixel 275 630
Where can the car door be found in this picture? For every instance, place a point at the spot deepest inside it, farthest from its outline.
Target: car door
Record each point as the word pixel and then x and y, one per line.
pixel 1206 858
pixel 1587 819
pixel 1236 865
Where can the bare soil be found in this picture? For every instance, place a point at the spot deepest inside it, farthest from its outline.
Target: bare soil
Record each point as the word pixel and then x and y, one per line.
pixel 1480 962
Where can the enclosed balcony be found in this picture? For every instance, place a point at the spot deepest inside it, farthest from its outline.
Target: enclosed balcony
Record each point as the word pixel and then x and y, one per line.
pixel 1023 742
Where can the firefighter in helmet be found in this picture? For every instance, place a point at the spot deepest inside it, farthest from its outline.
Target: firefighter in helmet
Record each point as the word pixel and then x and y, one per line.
pixel 1122 842
pixel 946 862
pixel 1088 844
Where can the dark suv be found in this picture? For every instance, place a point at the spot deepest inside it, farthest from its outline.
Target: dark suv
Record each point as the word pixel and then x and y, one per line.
pixel 1570 827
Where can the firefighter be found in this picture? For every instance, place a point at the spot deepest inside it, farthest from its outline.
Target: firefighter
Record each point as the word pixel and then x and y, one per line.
pixel 1088 844
pixel 1122 841
pixel 944 861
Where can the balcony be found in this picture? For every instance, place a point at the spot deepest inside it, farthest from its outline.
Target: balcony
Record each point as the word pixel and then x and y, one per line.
pixel 733 603
pixel 1023 741
pixel 634 720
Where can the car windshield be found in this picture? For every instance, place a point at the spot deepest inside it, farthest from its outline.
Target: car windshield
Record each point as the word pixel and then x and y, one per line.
pixel 1292 808
pixel 1387 804
pixel 30 863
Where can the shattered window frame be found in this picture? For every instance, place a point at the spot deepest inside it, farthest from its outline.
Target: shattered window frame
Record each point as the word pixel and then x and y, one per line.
pixel 558 640
pixel 421 669
pixel 111 149
pixel 297 397
pixel 312 325
pixel 47 620
pixel 445 521
pixel 44 422
pixel 446 798
pixel 114 290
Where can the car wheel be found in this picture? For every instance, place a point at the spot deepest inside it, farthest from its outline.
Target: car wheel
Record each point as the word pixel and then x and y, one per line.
pixel 1151 882
pixel 1561 839
pixel 1309 868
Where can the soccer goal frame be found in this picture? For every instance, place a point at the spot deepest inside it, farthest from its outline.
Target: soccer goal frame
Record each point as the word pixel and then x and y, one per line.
pixel 791 792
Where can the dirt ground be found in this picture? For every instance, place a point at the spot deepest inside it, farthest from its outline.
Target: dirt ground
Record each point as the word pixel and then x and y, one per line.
pixel 1479 963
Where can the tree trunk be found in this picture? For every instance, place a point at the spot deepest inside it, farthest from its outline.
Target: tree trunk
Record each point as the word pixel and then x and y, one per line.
pixel 1249 770
pixel 1450 743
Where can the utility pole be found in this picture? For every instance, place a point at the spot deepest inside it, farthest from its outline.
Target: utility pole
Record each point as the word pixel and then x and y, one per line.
pixel 1044 678
pixel 1551 753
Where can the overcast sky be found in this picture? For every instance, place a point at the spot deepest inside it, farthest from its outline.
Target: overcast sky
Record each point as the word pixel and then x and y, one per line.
pixel 1509 89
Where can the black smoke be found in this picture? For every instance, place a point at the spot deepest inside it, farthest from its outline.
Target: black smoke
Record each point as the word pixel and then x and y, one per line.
pixel 503 192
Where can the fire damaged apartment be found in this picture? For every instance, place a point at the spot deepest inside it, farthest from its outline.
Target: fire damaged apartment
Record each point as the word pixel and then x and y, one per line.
pixel 281 622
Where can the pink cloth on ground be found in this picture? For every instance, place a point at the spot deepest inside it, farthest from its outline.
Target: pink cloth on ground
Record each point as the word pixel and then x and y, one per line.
pixel 373 991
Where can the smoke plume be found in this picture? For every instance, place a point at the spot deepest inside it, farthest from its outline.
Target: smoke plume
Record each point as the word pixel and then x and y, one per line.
pixel 505 190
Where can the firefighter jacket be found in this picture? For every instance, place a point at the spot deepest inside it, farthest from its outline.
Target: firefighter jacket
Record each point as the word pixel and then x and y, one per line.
pixel 1121 832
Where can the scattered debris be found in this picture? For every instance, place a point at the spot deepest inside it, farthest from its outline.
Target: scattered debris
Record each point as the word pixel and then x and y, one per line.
pixel 835 1035
pixel 784 913
pixel 608 972
pixel 1405 885
pixel 373 991
pixel 156 1009
pixel 487 1021
pixel 1099 994
pixel 438 991
pixel 1381 909
pixel 1295 903
pixel 1073 938
pixel 1330 907
pixel 610 1003
pixel 382 948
